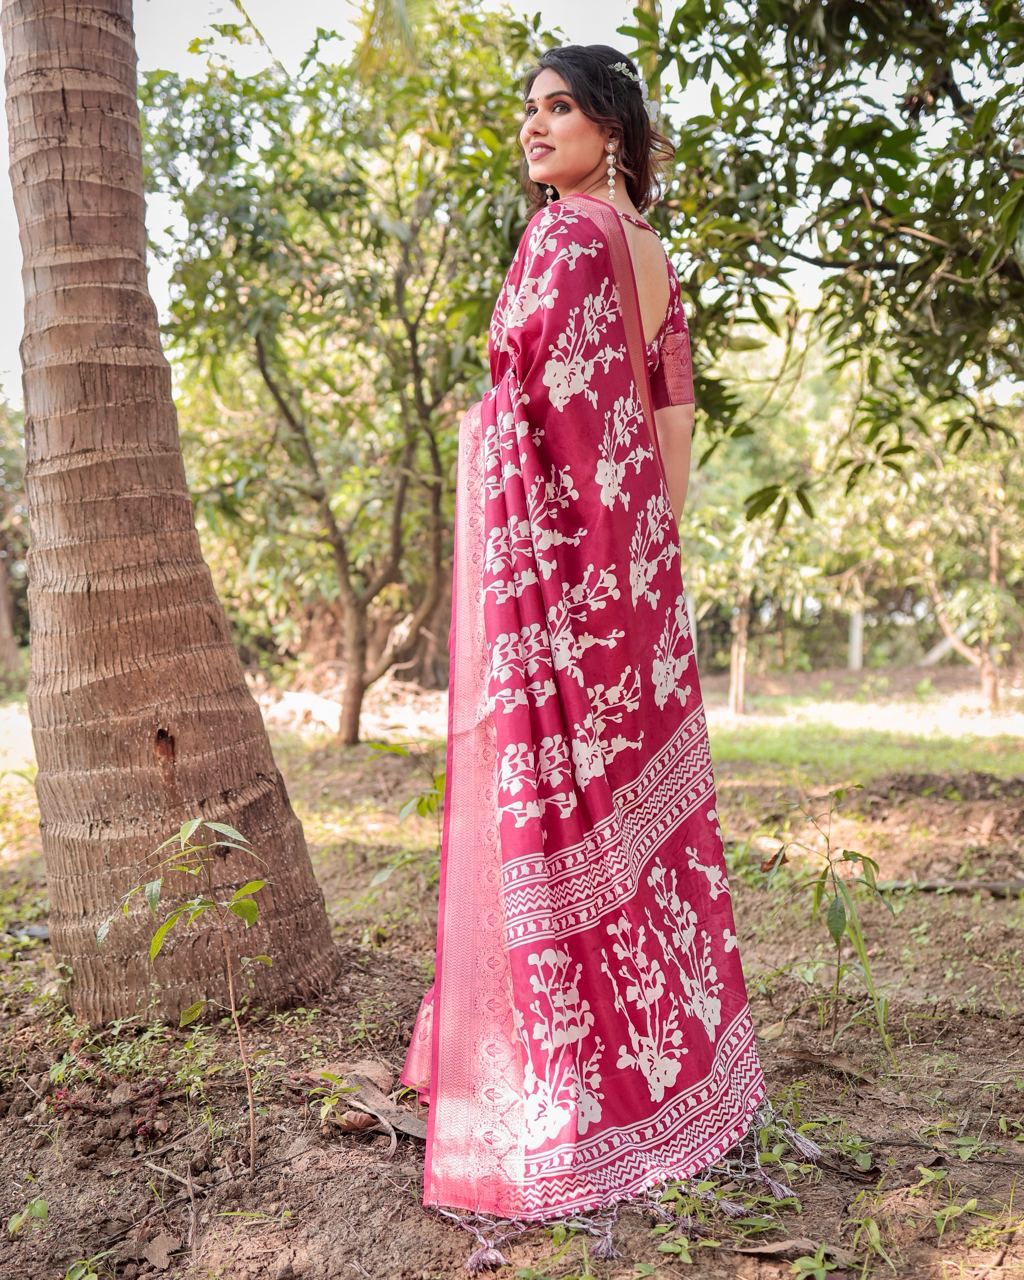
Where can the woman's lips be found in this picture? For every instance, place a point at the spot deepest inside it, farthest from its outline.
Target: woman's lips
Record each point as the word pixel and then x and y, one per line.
pixel 542 151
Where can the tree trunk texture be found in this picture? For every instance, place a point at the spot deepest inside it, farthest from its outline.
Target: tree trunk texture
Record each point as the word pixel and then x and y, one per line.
pixel 354 682
pixel 738 657
pixel 140 714
pixel 989 660
pixel 855 641
pixel 10 655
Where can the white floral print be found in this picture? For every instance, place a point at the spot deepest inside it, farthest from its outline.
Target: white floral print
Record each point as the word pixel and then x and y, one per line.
pixel 690 956
pixel 569 370
pixel 672 655
pixel 593 747
pixel 654 526
pixel 621 424
pixel 559 1081
pixel 593 592
pixel 649 1011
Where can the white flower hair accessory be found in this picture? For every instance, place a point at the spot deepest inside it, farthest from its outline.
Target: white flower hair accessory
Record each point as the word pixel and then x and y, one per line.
pixel 650 107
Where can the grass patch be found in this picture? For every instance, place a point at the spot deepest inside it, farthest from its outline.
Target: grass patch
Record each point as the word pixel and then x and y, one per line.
pixel 821 753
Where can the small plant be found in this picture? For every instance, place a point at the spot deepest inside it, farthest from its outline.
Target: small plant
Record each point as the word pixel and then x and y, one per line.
pixel 867 1233
pixel 330 1094
pixel 86 1268
pixel 816 1268
pixel 34 1213
pixel 833 895
pixel 950 1212
pixel 197 859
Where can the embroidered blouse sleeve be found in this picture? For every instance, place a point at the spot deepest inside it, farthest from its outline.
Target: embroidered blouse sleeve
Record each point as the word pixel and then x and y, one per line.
pixel 672 380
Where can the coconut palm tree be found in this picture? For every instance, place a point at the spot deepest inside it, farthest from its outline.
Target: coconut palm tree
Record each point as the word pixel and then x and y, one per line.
pixel 140 713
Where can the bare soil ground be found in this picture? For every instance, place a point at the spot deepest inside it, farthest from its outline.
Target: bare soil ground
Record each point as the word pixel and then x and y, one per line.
pixel 135 1136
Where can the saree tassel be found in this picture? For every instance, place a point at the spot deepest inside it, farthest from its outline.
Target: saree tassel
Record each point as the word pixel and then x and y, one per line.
pixel 485 1258
pixel 800 1142
pixel 778 1189
pixel 603 1248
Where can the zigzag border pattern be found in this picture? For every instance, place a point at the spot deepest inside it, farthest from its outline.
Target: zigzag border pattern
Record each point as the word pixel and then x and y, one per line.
pixel 608 875
pixel 643 814
pixel 694 1130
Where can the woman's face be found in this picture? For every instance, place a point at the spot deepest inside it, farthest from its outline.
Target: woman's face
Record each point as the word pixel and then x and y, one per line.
pixel 564 148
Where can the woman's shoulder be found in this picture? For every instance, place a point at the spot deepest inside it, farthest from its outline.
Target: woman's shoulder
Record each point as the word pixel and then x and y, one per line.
pixel 554 230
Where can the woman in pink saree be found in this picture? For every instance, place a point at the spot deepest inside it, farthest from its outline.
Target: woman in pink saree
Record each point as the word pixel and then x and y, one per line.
pixel 587 1036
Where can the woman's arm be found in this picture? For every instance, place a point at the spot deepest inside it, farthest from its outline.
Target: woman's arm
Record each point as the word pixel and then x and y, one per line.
pixel 674 424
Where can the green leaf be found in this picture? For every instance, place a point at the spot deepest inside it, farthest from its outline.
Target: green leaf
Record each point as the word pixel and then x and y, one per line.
pixel 803 498
pixel 160 937
pixel 223 829
pixel 836 920
pixel 152 893
pixel 103 930
pixel 246 910
pixel 187 831
pixel 388 748
pixel 189 1015
pixel 250 886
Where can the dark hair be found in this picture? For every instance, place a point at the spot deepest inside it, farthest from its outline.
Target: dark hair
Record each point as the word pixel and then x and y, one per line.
pixel 612 100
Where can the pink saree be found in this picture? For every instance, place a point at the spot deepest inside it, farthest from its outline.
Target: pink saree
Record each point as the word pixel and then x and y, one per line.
pixel 587 1035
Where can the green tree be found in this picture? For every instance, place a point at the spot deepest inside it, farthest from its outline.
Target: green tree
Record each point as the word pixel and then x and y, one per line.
pixel 340 249
pixel 884 145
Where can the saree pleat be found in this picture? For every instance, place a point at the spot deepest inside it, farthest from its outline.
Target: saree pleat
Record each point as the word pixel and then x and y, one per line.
pixel 587 1034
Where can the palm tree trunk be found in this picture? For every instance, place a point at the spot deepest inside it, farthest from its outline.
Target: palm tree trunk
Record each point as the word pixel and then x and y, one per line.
pixel 140 714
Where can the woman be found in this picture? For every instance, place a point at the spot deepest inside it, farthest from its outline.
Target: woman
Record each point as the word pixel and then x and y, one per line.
pixel 587 1035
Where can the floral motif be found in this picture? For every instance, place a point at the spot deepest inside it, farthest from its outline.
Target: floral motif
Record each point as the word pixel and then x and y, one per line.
pixel 655 525
pixel 714 871
pixel 621 424
pixel 697 972
pixel 521 659
pixel 649 1012
pixel 595 590
pixel 672 654
pixel 523 770
pixel 569 370
pixel 592 748
pixel 559 1081
pixel 544 502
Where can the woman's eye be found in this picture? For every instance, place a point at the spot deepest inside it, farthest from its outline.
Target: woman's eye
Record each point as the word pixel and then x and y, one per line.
pixel 557 104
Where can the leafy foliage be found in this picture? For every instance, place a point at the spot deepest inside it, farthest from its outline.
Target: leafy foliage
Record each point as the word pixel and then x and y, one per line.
pixel 883 145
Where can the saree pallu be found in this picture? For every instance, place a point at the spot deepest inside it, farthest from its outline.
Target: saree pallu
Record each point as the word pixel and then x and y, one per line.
pixel 587 1034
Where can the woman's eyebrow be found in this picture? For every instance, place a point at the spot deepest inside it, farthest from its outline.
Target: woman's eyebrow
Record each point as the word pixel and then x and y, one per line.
pixel 558 93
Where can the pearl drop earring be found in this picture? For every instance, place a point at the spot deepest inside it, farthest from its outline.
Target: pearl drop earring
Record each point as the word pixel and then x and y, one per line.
pixel 550 195
pixel 610 148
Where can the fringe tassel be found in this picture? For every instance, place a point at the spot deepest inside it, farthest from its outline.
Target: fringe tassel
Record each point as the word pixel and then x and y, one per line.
pixel 487 1255
pixel 741 1163
pixel 600 1224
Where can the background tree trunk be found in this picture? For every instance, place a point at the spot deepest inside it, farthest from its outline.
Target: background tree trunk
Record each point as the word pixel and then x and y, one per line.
pixel 855 641
pixel 140 714
pixel 10 655
pixel 738 656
